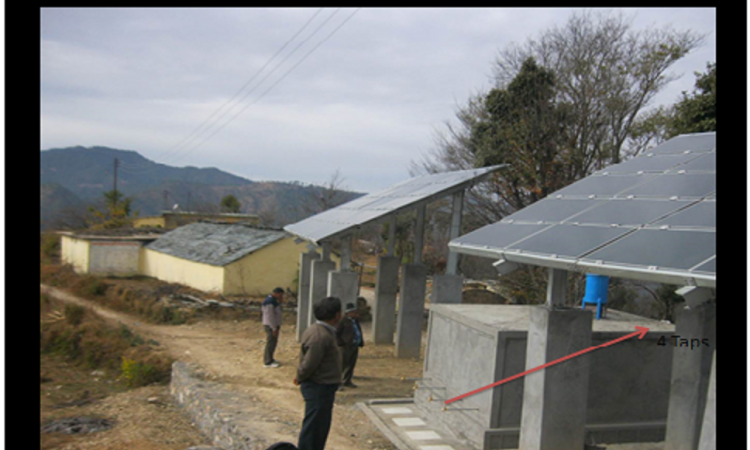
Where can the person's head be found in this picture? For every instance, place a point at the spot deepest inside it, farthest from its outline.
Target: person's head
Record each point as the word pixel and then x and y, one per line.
pixel 351 311
pixel 328 310
pixel 278 293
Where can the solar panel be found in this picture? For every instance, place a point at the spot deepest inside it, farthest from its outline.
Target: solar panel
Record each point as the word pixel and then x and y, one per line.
pixel 392 200
pixel 665 249
pixel 569 240
pixel 651 217
pixel 700 142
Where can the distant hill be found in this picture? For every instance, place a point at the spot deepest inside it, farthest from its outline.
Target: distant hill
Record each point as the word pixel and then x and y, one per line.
pixel 73 178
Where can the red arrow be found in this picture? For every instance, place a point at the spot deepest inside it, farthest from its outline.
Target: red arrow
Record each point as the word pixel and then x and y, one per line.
pixel 640 333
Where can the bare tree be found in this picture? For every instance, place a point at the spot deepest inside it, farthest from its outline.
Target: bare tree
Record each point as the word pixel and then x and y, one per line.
pixel 322 197
pixel 605 73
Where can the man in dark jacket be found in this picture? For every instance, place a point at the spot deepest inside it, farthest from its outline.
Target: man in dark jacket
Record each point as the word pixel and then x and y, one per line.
pixel 272 323
pixel 349 338
pixel 319 373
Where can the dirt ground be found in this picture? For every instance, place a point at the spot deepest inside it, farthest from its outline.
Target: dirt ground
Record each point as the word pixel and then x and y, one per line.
pixel 231 352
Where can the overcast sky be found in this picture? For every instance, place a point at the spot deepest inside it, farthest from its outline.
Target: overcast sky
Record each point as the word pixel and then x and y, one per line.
pixel 366 101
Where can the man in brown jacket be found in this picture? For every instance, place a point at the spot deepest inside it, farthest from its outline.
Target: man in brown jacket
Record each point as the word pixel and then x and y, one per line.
pixel 319 373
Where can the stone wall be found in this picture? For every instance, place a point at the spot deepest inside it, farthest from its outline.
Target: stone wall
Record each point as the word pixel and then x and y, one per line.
pixel 215 410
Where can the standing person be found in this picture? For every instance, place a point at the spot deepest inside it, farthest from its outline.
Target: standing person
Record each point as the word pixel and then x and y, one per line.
pixel 272 324
pixel 349 338
pixel 319 373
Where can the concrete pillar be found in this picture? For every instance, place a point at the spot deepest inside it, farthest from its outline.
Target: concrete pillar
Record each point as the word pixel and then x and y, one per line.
pixel 303 290
pixel 691 372
pixel 554 399
pixel 318 284
pixel 411 311
pixel 384 309
pixel 708 430
pixel 343 284
pixel 447 289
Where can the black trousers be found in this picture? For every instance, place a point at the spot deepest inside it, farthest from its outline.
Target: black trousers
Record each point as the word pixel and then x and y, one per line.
pixel 271 342
pixel 318 414
pixel 349 356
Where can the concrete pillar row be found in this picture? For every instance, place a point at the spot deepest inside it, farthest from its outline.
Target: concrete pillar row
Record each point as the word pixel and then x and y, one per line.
pixel 384 308
pixel 411 311
pixel 303 290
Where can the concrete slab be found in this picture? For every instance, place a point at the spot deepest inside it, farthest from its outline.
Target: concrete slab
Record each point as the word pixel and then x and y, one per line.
pixel 408 421
pixel 428 436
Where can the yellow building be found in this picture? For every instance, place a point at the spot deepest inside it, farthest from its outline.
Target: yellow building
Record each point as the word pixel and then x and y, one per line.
pixel 102 254
pixel 231 259
pixel 174 219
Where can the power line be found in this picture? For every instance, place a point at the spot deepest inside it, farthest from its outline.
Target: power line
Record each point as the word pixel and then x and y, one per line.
pixel 272 86
pixel 265 78
pixel 191 135
pixel 253 77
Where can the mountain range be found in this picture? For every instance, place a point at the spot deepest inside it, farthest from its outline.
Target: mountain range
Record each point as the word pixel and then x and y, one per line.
pixel 74 178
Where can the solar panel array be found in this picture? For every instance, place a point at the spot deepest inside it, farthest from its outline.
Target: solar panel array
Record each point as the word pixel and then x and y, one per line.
pixel 375 207
pixel 651 217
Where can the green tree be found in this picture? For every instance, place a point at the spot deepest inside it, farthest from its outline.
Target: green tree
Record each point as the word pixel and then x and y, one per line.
pixel 116 211
pixel 525 127
pixel 604 74
pixel 230 204
pixel 696 113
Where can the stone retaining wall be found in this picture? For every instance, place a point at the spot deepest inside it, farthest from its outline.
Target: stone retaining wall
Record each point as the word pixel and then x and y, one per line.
pixel 215 410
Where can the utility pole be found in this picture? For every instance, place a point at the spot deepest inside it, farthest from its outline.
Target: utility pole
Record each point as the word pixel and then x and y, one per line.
pixel 188 204
pixel 166 195
pixel 114 197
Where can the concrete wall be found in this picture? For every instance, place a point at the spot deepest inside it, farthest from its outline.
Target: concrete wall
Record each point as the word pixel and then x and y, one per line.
pixel 260 272
pixel 177 270
pixel 114 258
pixel 157 221
pixel 75 252
pixel 628 385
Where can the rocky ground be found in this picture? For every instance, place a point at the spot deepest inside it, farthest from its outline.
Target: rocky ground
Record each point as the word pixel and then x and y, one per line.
pixel 231 352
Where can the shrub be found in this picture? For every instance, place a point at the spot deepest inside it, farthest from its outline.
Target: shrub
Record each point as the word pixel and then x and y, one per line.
pixel 74 314
pixel 138 372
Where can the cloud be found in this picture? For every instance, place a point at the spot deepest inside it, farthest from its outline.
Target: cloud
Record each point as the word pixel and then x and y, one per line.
pixel 367 101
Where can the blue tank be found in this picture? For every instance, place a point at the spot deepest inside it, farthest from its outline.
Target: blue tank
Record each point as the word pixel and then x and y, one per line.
pixel 596 292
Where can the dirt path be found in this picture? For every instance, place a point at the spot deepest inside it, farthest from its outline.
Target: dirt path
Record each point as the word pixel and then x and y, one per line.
pixel 231 352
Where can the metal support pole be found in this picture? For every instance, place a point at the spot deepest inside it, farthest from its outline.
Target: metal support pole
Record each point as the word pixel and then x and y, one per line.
pixel 557 287
pixel 419 234
pixel 326 251
pixel 392 235
pixel 458 205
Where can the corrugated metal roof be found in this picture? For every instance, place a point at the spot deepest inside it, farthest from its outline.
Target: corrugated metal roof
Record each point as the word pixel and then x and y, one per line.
pixel 213 243
pixel 652 217
pixel 395 199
